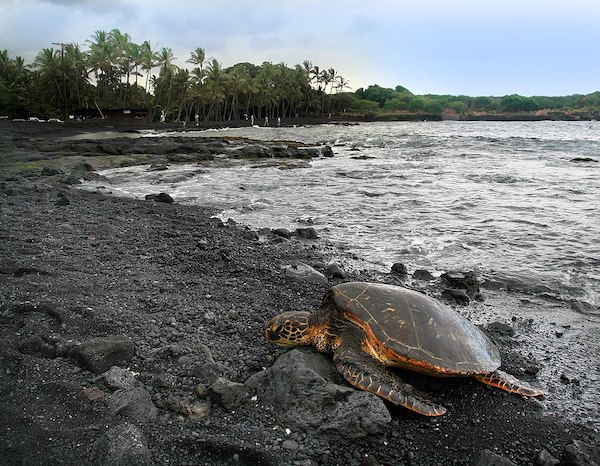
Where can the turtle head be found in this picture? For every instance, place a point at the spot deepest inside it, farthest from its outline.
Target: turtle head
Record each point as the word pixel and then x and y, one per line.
pixel 289 329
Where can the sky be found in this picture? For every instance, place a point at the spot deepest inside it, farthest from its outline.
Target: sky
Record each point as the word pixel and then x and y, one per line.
pixel 459 47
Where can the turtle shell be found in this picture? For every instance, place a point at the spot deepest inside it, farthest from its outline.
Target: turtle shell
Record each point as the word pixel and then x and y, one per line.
pixel 407 328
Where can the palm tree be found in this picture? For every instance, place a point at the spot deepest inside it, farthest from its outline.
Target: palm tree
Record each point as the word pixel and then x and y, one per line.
pixel 136 59
pixel 123 62
pixel 4 64
pixel 102 57
pixel 282 78
pixel 148 60
pixel 164 82
pixel 238 79
pixel 19 68
pixel 265 81
pixel 75 61
pixel 307 68
pixel 252 89
pixel 342 84
pixel 120 43
pixel 333 76
pixel 47 63
pixel 182 84
pixel 298 85
pixel 315 73
pixel 134 54
pixel 215 77
pixel 326 77
pixel 15 78
pixel 165 60
pixel 198 58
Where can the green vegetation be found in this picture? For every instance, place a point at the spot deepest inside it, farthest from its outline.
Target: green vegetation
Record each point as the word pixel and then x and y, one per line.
pixel 114 72
pixel 400 100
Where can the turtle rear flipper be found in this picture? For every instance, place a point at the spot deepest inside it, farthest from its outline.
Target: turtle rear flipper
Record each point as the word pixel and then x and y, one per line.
pixel 367 374
pixel 509 383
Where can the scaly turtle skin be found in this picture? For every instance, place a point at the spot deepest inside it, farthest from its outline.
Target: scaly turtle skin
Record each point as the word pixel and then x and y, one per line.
pixel 369 327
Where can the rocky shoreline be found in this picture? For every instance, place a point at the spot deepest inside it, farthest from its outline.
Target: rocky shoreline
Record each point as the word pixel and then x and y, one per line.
pixel 132 332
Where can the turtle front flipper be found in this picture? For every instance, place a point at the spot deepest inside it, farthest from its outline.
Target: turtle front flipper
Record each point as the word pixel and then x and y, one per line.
pixel 368 374
pixel 509 383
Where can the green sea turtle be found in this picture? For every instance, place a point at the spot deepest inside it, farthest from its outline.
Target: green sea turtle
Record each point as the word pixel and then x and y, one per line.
pixel 369 327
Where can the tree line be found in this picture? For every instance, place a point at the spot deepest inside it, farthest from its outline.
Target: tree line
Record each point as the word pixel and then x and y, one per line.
pixel 112 71
pixel 376 99
pixel 115 72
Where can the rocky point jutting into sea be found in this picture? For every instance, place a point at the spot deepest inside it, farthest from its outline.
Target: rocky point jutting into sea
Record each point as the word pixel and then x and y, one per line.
pixel 132 329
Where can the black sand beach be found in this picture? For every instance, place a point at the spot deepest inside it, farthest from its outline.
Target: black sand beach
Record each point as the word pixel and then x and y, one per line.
pixel 173 304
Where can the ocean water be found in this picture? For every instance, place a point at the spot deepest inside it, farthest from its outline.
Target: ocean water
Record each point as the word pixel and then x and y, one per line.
pixel 504 199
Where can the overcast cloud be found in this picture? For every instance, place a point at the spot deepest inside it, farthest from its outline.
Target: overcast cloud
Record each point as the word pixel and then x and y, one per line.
pixel 472 47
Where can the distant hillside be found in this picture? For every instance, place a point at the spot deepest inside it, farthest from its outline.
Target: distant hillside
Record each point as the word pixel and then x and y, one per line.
pixel 384 103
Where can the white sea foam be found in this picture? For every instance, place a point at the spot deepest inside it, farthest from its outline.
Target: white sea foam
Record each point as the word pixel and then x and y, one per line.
pixel 487 196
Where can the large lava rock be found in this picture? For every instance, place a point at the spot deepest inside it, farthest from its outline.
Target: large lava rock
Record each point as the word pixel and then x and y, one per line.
pixel 298 389
pixel 580 454
pixel 123 445
pixel 101 353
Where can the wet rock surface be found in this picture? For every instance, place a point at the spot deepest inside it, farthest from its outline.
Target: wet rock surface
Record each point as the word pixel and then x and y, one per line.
pixel 185 298
pixel 71 158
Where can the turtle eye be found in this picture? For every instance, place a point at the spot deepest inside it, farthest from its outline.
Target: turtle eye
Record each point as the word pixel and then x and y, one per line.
pixel 273 333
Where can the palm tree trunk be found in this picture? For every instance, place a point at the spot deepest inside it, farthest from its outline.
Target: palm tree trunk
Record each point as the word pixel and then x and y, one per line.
pixel 233 105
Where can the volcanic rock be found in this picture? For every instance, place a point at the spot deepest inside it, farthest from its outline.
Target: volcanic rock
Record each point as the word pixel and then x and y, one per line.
pixel 456 296
pixel 488 458
pixel 299 389
pixel 422 274
pixel 118 378
pixel 124 445
pixel 399 269
pixel 583 159
pixel 501 329
pixel 580 454
pixel 48 171
pixel 194 409
pixel 227 393
pixel 135 403
pixel 335 271
pixel 100 354
pixel 283 232
pixel 544 458
pixel 307 233
pixel 207 373
pixel 160 197
pixel 304 272
pixel 461 280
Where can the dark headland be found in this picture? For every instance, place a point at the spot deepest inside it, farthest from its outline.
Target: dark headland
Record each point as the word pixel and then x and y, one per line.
pixel 131 332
